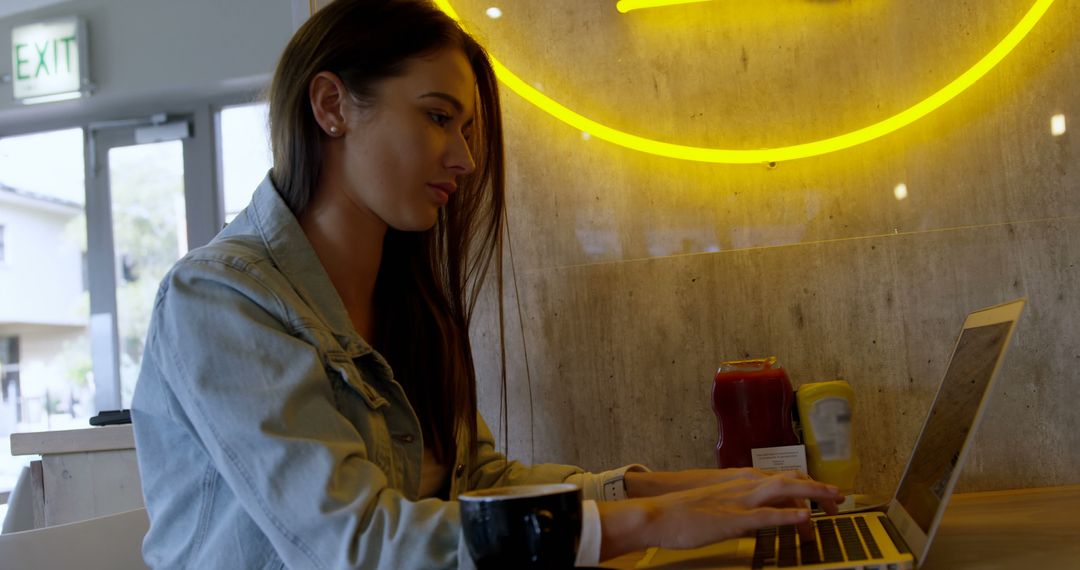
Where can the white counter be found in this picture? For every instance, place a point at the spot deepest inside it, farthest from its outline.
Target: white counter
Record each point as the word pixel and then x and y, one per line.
pixel 103 438
pixel 83 473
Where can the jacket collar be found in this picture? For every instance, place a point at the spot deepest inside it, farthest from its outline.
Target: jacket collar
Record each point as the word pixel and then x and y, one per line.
pixel 293 255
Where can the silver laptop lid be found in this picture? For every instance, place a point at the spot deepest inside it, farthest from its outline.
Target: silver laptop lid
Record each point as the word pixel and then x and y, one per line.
pixel 934 465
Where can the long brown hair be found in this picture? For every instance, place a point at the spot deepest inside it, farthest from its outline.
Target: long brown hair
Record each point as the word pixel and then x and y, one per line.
pixel 428 282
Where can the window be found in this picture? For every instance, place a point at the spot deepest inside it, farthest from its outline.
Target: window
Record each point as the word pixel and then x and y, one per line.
pixel 44 309
pixel 144 207
pixel 245 153
pixel 44 304
pixel 9 373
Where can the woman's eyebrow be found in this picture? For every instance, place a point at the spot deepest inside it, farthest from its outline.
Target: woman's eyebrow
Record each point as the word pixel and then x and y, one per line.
pixel 445 97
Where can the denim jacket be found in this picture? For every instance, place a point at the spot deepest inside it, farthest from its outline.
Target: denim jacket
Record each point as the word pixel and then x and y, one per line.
pixel 269 434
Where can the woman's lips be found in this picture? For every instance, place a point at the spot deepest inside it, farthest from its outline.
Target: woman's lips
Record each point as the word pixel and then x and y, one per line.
pixel 442 191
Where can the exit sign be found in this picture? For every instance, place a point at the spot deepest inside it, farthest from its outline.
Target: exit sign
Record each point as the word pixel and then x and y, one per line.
pixel 50 60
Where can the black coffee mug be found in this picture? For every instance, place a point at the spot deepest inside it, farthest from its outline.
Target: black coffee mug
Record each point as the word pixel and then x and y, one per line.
pixel 525 526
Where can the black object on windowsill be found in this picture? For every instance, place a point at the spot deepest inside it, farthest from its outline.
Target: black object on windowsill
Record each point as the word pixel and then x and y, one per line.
pixel 111 417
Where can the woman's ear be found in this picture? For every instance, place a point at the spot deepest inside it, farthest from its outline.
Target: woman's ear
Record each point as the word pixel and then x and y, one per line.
pixel 328 98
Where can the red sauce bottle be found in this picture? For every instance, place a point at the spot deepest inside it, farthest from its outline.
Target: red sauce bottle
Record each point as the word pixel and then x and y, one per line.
pixel 752 400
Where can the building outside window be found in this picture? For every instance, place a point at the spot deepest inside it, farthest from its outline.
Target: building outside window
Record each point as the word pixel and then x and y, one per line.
pixel 44 309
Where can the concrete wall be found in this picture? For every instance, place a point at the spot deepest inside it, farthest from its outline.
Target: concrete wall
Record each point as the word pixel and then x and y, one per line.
pixel 636 275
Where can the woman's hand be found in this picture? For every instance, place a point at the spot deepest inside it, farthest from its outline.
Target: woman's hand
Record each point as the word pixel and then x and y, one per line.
pixel 651 484
pixel 706 514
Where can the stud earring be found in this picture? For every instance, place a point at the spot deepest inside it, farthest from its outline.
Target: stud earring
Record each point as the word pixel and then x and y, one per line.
pixel 333 129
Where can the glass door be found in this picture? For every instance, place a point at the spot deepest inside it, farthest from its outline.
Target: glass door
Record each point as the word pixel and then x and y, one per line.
pixel 146 184
pixel 136 193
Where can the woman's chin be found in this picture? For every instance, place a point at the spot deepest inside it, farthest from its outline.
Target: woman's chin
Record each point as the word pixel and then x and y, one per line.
pixel 417 224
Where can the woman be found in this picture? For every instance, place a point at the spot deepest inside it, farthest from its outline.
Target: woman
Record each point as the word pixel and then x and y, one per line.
pixel 307 397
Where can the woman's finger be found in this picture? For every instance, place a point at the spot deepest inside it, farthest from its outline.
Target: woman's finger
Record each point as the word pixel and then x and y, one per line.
pixel 831 506
pixel 805 527
pixel 778 489
pixel 806 530
pixel 770 516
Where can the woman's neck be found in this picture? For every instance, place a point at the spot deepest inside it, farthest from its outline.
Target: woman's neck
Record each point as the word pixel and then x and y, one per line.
pixel 348 239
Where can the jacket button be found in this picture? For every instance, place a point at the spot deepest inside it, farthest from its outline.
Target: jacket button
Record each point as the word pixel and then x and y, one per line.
pixel 459 470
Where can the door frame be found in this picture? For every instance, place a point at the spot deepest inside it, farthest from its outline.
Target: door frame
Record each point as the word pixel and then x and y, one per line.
pixel 204 210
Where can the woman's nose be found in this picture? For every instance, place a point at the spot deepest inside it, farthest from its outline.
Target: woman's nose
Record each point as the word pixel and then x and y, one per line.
pixel 459 157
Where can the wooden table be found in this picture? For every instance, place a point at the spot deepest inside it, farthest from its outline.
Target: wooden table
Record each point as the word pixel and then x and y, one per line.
pixel 82 474
pixel 997 530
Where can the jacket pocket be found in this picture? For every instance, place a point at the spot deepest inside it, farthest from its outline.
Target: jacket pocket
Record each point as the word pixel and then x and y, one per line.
pixel 343 367
pixel 350 389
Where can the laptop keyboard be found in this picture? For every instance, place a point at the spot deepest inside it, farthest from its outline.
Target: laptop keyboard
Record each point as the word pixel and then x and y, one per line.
pixel 838 540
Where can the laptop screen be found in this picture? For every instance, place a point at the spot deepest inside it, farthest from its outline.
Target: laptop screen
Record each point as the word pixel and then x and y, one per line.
pixel 938 449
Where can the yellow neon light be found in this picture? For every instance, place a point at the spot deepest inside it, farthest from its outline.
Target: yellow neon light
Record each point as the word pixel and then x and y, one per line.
pixel 792 152
pixel 625 6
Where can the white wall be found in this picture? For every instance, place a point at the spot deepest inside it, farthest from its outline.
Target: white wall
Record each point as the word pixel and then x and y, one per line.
pixel 160 49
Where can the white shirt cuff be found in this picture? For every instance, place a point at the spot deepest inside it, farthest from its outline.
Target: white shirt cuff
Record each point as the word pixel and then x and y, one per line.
pixel 603 486
pixel 606 485
pixel 588 553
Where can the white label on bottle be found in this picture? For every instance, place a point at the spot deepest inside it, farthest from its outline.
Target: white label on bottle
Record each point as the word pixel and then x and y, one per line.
pixel 830 418
pixel 783 458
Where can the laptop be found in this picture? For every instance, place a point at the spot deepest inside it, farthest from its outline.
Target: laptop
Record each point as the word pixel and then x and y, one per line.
pixel 899 537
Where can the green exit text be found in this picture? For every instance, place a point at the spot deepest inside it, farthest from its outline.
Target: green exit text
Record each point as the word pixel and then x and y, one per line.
pixel 58 51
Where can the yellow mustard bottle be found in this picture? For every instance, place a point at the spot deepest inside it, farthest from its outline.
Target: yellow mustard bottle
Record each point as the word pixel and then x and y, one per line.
pixel 825 414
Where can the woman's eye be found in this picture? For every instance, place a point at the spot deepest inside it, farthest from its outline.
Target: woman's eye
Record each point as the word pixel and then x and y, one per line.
pixel 439 118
